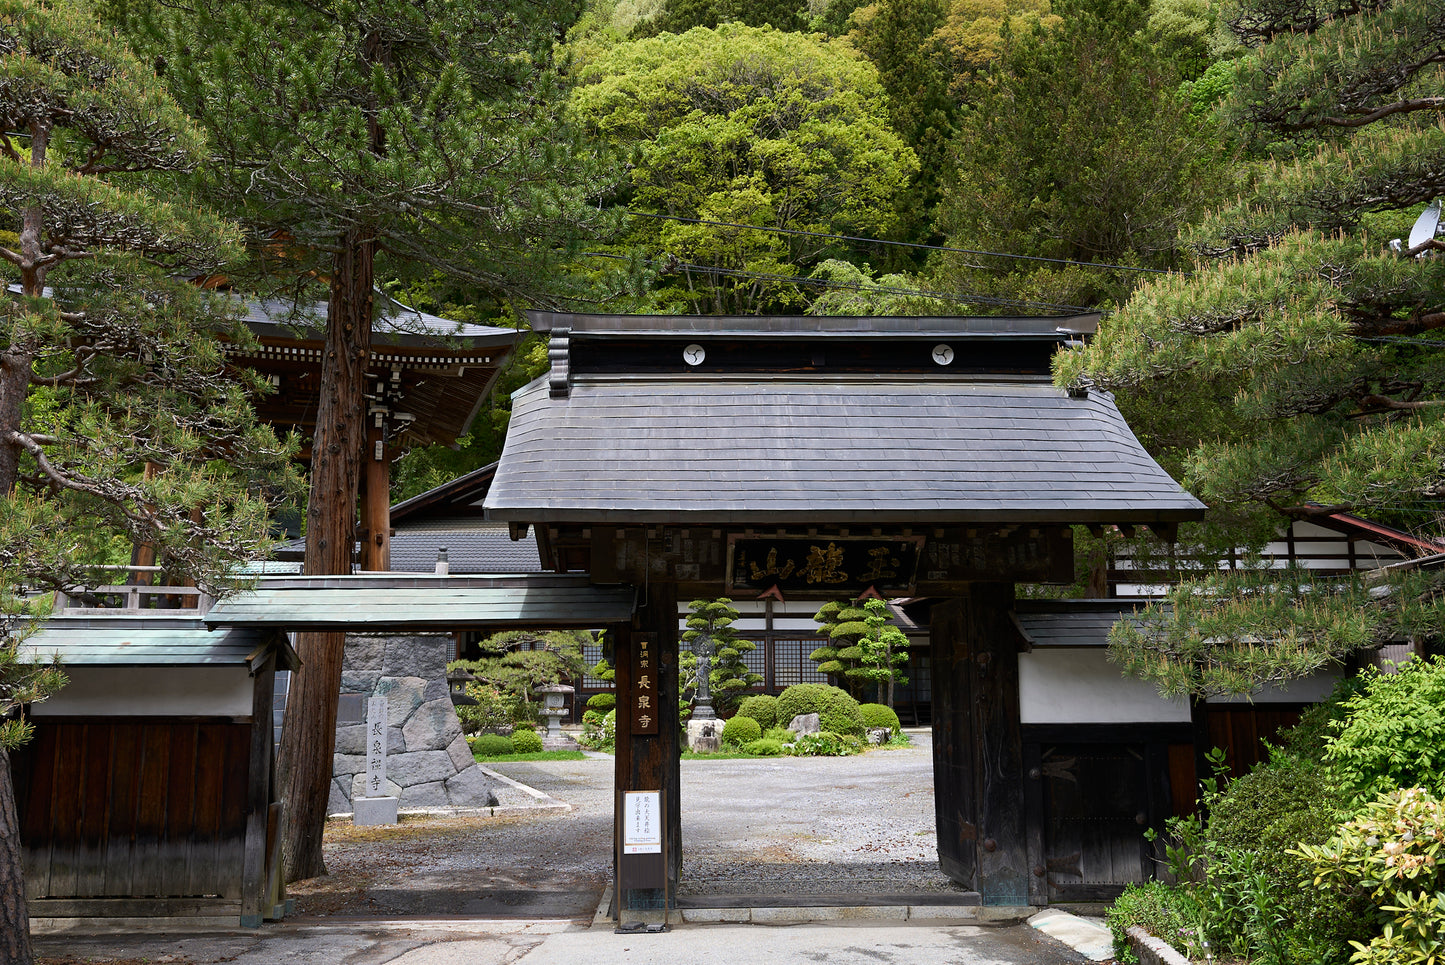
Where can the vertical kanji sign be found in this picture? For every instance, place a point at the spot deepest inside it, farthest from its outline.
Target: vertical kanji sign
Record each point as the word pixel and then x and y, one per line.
pixel 644 684
pixel 376 747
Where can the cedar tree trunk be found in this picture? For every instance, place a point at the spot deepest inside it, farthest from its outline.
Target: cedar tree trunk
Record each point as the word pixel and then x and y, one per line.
pixel 308 732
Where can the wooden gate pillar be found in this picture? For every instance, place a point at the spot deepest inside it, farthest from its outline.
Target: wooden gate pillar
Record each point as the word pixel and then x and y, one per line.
pixel 651 761
pixel 978 771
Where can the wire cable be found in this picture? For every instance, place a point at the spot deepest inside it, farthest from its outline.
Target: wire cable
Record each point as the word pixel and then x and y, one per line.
pixel 899 244
pixel 963 299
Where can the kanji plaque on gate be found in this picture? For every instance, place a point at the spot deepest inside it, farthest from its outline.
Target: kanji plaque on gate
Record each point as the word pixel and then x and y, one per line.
pixel 643 694
pixel 801 566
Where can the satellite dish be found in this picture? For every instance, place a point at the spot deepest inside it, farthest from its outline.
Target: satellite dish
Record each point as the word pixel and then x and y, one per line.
pixel 1425 225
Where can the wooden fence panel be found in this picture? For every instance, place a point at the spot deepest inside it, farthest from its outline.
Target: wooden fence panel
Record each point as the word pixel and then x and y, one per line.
pixel 134 807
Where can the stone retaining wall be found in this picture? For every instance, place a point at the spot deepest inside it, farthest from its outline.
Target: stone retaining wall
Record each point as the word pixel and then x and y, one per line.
pixel 428 762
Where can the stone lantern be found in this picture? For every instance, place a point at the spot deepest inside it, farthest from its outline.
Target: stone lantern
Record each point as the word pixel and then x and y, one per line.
pixel 554 708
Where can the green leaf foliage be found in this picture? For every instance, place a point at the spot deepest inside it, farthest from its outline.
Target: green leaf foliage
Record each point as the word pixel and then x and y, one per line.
pixel 709 626
pixel 744 125
pixel 762 708
pixel 1393 732
pixel 1076 146
pixel 741 730
pixel 836 709
pixel 122 422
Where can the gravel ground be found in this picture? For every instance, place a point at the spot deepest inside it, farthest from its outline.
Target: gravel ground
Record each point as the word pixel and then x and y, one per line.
pixel 792 827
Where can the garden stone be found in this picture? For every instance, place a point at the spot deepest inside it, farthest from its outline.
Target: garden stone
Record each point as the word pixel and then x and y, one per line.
pixel 433 726
pixel 460 753
pixel 418 656
pixel 359 682
pixel 348 764
pixel 351 739
pixel 358 787
pixel 365 654
pixel 339 801
pixel 879 736
pixel 471 788
pixel 420 767
pixel 433 795
pixel 403 697
pixel 805 724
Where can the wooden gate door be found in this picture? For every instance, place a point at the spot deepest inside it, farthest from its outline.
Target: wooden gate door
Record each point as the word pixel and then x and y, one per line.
pixel 1096 808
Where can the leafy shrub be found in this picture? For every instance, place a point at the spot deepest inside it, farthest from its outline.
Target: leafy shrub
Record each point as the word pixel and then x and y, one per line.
pixel 1392 851
pixel 780 734
pixel 492 745
pixel 879 715
pixel 527 741
pixel 740 730
pixel 764 747
pixel 825 744
pixel 494 709
pixel 762 708
pixel 1255 897
pixel 592 718
pixel 602 703
pixel 602 736
pixel 1394 734
pixel 1167 912
pixel 837 711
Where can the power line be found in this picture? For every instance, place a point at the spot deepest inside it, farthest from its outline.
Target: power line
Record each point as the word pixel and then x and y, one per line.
pixel 963 299
pixel 899 244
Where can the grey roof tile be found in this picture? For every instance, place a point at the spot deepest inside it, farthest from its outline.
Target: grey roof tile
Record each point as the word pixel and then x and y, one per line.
pixel 814 450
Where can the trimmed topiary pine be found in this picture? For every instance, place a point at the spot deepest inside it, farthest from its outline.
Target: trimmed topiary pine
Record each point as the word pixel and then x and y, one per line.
pixel 837 711
pixel 527 741
pixel 879 715
pixel 762 708
pixel 740 730
pixel 728 674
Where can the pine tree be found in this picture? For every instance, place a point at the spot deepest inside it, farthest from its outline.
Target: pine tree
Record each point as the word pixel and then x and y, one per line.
pixel 1299 370
pixel 728 675
pixel 120 423
pixel 883 652
pixel 419 137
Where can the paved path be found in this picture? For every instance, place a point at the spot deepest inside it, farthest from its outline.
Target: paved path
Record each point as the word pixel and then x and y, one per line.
pixel 525 888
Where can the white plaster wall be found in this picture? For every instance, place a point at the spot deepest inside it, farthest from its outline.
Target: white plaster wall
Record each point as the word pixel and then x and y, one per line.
pixel 151 692
pixel 1080 686
pixel 1310 690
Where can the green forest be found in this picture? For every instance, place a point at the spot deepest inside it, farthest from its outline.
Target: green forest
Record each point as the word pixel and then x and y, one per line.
pixel 1237 185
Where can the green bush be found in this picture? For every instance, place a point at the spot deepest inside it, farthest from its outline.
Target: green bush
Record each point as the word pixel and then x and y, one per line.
pixel 1392 852
pixel 825 744
pixel 527 741
pixel 879 715
pixel 602 702
pixel 762 708
pixel 837 711
pixel 1258 898
pixel 764 747
pixel 1165 911
pixel 492 745
pixel 1394 732
pixel 592 718
pixel 740 730
pixel 780 734
pixel 601 736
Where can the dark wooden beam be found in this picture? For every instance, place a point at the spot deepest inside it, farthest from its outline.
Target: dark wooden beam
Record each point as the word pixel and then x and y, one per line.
pixel 978 746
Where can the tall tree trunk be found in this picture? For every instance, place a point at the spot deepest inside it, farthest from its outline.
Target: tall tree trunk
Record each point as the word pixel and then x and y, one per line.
pixel 14 921
pixel 308 733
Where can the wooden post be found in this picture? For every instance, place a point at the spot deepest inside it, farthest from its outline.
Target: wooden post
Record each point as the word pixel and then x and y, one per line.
pixel 258 795
pixel 978 745
pixel 650 762
pixel 376 501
